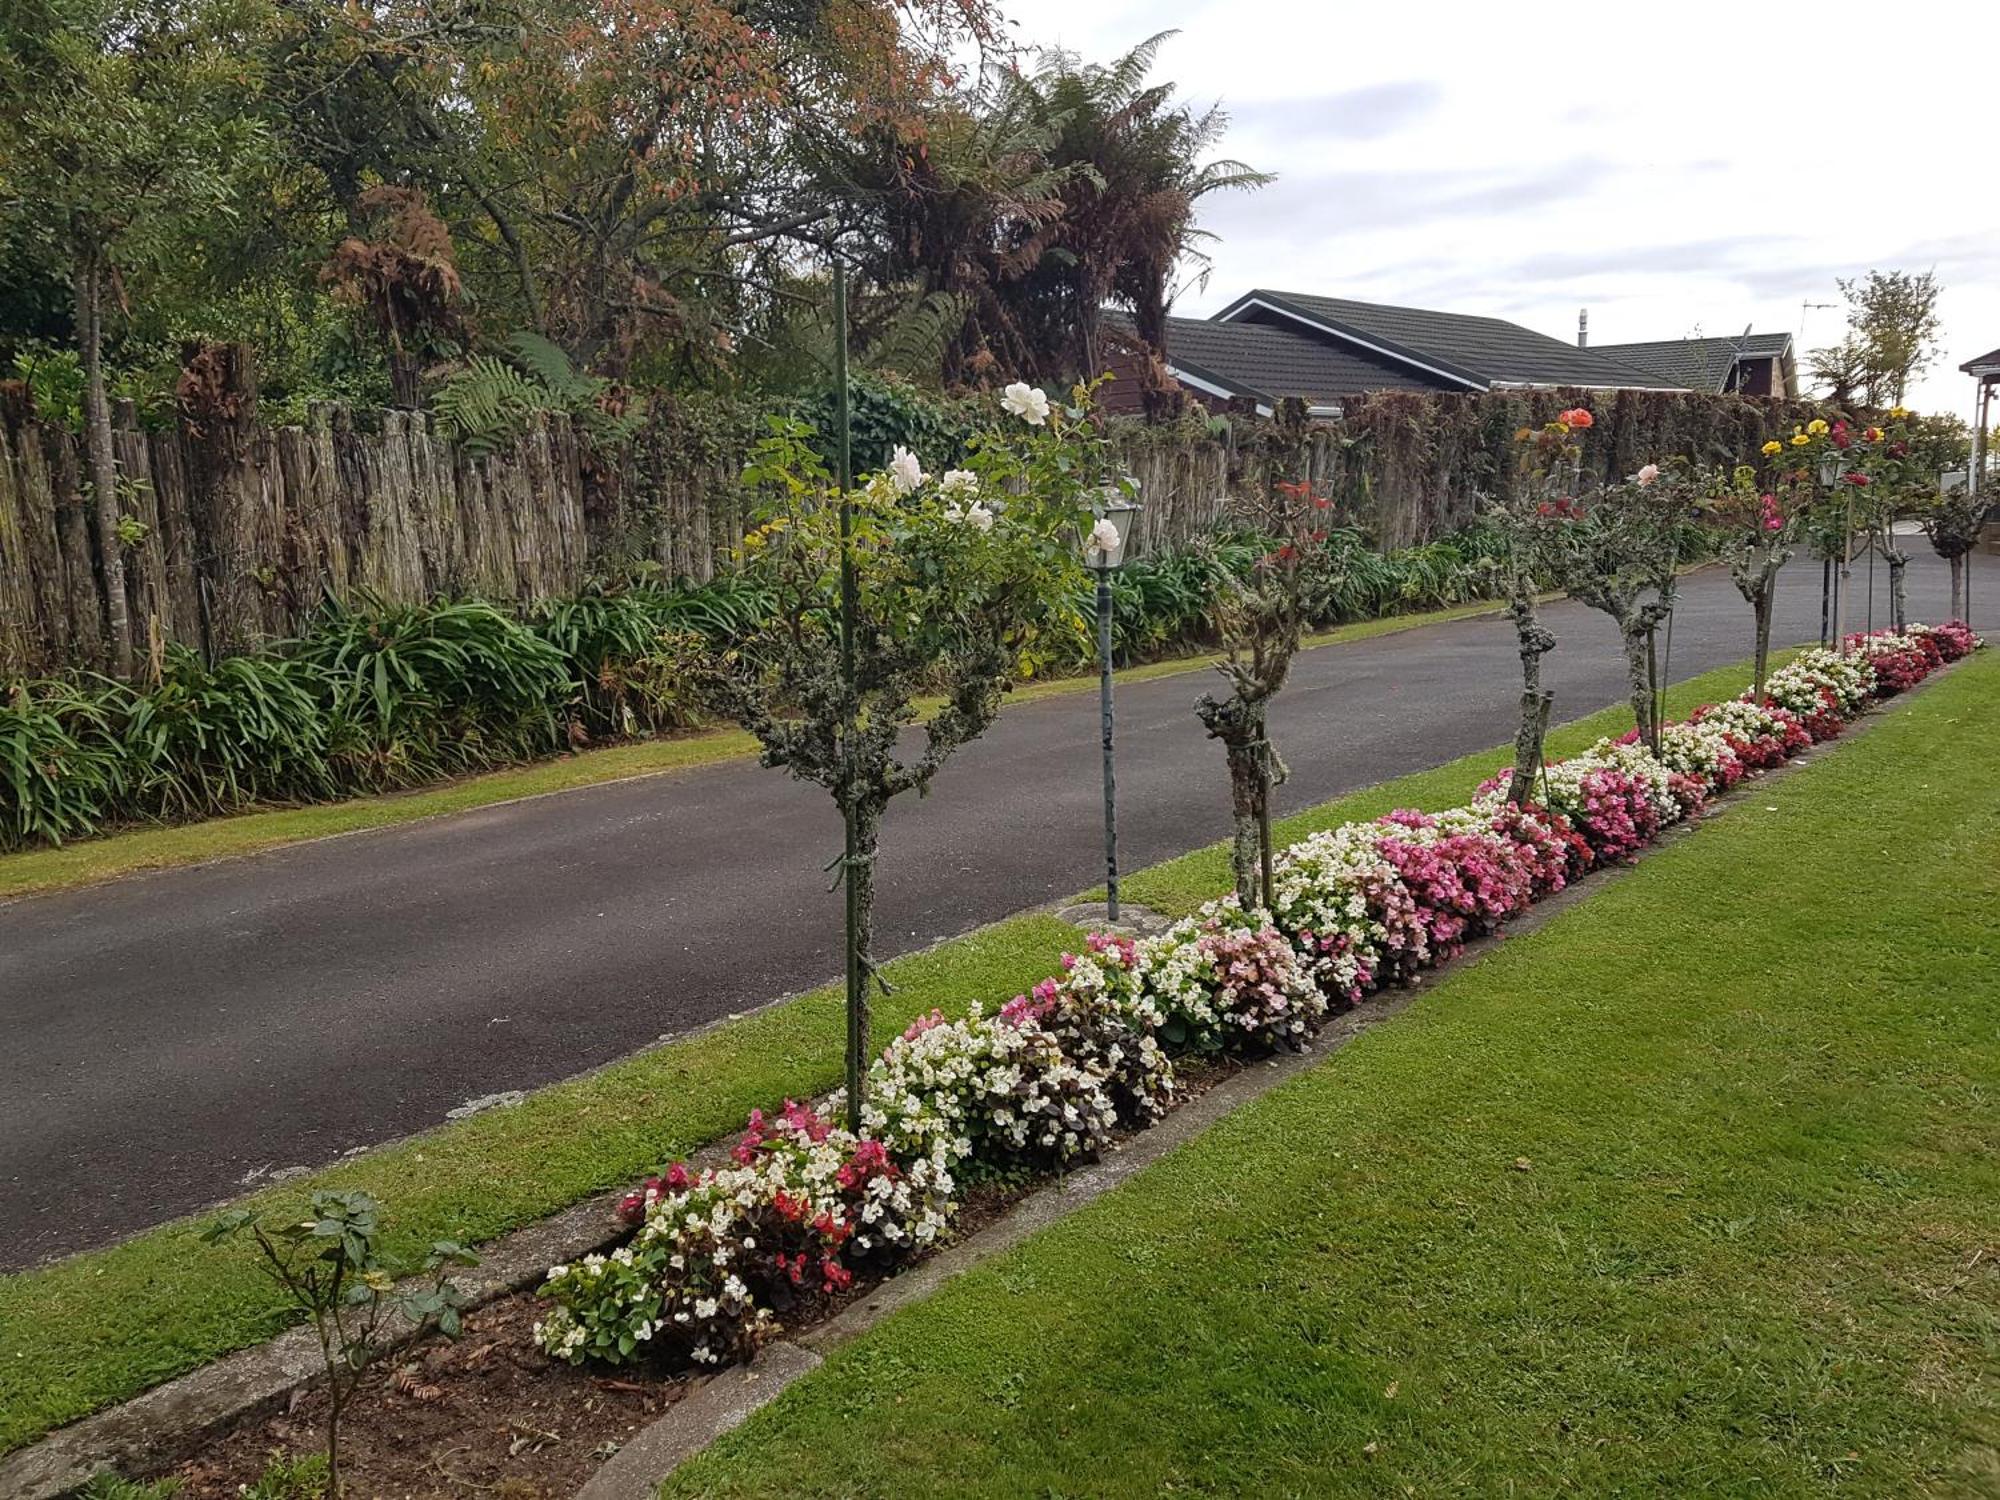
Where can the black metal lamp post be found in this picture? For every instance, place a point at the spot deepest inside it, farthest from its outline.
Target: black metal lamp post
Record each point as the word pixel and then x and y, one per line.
pixel 1104 554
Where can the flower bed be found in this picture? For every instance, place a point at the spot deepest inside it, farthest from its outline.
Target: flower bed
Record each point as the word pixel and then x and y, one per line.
pixel 1047 1079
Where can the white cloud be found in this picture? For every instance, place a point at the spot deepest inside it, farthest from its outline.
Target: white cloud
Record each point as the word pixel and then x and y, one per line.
pixel 1694 168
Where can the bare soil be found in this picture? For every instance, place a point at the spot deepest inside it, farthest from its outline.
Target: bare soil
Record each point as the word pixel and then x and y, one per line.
pixel 490 1415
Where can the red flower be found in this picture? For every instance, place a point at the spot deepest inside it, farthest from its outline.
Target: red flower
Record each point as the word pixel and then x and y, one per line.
pixel 1873 434
pixel 1577 418
pixel 1858 479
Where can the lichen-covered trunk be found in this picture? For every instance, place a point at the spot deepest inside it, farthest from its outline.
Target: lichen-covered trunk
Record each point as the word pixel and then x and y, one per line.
pixel 858 872
pixel 1761 604
pixel 1534 642
pixel 1247 790
pixel 1958 586
pixel 1899 589
pixel 1639 676
pixel 1239 723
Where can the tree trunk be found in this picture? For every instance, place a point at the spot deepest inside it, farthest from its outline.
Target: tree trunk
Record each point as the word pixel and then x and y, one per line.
pixel 1958 586
pixel 1899 590
pixel 859 874
pixel 1762 606
pixel 1535 642
pixel 1240 727
pixel 1638 676
pixel 102 455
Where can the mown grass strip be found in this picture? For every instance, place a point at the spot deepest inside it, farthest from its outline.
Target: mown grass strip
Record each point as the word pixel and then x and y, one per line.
pixel 1694 1190
pixel 99 1327
pixel 133 851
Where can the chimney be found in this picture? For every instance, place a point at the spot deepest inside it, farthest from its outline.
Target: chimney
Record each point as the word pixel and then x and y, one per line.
pixel 1583 328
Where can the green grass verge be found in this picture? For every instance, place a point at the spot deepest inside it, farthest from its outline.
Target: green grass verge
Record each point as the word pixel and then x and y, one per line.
pixel 99 1327
pixel 89 861
pixel 1693 1191
pixel 102 1326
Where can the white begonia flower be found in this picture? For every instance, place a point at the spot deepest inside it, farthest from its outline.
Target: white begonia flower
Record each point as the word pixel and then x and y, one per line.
pixel 905 473
pixel 959 482
pixel 1103 539
pixel 1027 403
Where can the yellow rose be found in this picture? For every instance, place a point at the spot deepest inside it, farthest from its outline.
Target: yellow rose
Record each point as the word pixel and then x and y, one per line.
pixel 1899 412
pixel 1774 446
pixel 1799 440
pixel 1817 426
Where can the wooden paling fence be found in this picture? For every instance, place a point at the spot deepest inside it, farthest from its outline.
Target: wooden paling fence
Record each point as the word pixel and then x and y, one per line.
pixel 238 529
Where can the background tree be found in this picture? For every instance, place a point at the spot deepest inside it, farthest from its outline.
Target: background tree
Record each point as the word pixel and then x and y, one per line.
pixel 1892 331
pixel 117 119
pixel 1035 198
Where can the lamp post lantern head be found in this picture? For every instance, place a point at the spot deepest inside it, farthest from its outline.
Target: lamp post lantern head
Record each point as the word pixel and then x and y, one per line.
pixel 1829 470
pixel 1116 512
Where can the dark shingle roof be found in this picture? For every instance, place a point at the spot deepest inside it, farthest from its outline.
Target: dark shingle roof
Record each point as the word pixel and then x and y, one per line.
pixel 1985 362
pixel 1698 364
pixel 1479 351
pixel 1256 359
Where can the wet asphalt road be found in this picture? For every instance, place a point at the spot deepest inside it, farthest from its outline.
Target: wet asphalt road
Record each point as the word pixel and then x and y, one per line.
pixel 168 1035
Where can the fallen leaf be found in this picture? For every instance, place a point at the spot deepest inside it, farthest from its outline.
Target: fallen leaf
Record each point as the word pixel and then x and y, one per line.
pixel 1522 1164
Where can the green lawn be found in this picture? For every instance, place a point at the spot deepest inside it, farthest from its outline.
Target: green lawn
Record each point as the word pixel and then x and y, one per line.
pixel 1694 1191
pixel 88 861
pixel 102 1326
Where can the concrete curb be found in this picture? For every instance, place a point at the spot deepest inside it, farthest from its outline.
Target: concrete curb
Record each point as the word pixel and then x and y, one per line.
pixel 172 1420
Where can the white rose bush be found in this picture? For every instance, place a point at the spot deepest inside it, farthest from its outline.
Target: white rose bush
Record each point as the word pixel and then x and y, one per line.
pixel 720 1258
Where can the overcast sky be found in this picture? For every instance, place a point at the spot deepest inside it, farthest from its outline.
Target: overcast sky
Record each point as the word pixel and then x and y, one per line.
pixel 1676 169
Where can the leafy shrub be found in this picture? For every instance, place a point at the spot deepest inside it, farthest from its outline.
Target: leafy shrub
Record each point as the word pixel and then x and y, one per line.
pixel 420 690
pixel 62 767
pixel 206 739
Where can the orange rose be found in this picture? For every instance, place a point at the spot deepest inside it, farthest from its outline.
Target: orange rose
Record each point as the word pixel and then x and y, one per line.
pixel 1577 418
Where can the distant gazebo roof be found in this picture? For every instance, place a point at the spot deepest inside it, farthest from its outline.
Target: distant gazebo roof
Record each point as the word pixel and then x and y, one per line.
pixel 1985 365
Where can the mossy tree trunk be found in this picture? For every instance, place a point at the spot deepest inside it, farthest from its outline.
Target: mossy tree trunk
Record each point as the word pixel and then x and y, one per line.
pixel 1535 642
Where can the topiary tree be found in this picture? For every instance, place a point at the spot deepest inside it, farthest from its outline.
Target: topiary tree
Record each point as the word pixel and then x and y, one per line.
pixel 1262 617
pixel 1617 551
pixel 1549 462
pixel 1758 525
pixel 953 580
pixel 1905 462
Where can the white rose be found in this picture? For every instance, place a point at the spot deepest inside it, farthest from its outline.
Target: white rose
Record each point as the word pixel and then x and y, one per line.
pixel 1648 474
pixel 1103 539
pixel 959 481
pixel 905 473
pixel 1027 403
pixel 979 518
